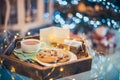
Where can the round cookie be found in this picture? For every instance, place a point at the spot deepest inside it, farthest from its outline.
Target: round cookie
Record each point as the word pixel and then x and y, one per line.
pixel 66 57
pixel 47 59
pixel 48 56
pixel 53 55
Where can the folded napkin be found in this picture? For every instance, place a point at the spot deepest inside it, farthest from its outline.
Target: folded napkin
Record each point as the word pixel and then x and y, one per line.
pixel 24 56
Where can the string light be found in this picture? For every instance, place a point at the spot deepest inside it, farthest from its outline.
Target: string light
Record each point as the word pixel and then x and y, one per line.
pixel 78 17
pixel 51 79
pixel 4 31
pixel 12 77
pixel 62 3
pixel 95 75
pixel 73 79
pixel 108 4
pixel 74 1
pixel 85 19
pixel 5 46
pixel 13 69
pixel 29 33
pixel 15 37
pixel 1 60
pixel 61 69
pixel 17 34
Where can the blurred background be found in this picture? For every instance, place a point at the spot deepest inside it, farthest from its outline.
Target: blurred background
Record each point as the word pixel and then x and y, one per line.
pixel 97 20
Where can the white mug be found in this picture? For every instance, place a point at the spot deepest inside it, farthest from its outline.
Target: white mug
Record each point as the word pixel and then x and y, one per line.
pixel 30 45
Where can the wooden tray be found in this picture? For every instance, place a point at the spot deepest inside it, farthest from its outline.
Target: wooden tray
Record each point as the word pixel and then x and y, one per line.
pixel 39 72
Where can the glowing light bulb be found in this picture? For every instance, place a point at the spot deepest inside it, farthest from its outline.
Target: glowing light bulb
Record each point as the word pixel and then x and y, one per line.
pixel 61 69
pixel 51 79
pixel 17 34
pixel 4 31
pixel 1 61
pixel 108 3
pixel 5 46
pixel 91 22
pixel 107 7
pixel 29 33
pixel 79 15
pixel 73 79
pixel 109 24
pixel 54 65
pixel 13 69
pixel 77 20
pixel 12 77
pixel 103 20
pixel 115 10
pixel 86 19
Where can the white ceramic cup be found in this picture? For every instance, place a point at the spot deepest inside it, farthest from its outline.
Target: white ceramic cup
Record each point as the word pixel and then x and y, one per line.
pixel 30 45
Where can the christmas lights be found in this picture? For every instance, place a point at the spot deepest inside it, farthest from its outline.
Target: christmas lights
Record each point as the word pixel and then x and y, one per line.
pixel 76 18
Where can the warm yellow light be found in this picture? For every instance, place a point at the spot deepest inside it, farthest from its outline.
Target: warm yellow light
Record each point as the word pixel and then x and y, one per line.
pixel 51 79
pixel 97 7
pixel 70 15
pixel 4 31
pixel 12 69
pixel 75 39
pixel 51 38
pixel 5 46
pixel 27 19
pixel 61 69
pixel 66 47
pixel 12 77
pixel 68 37
pixel 58 44
pixel 82 7
pixel 17 34
pixel 54 65
pixel 73 79
pixel 1 61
